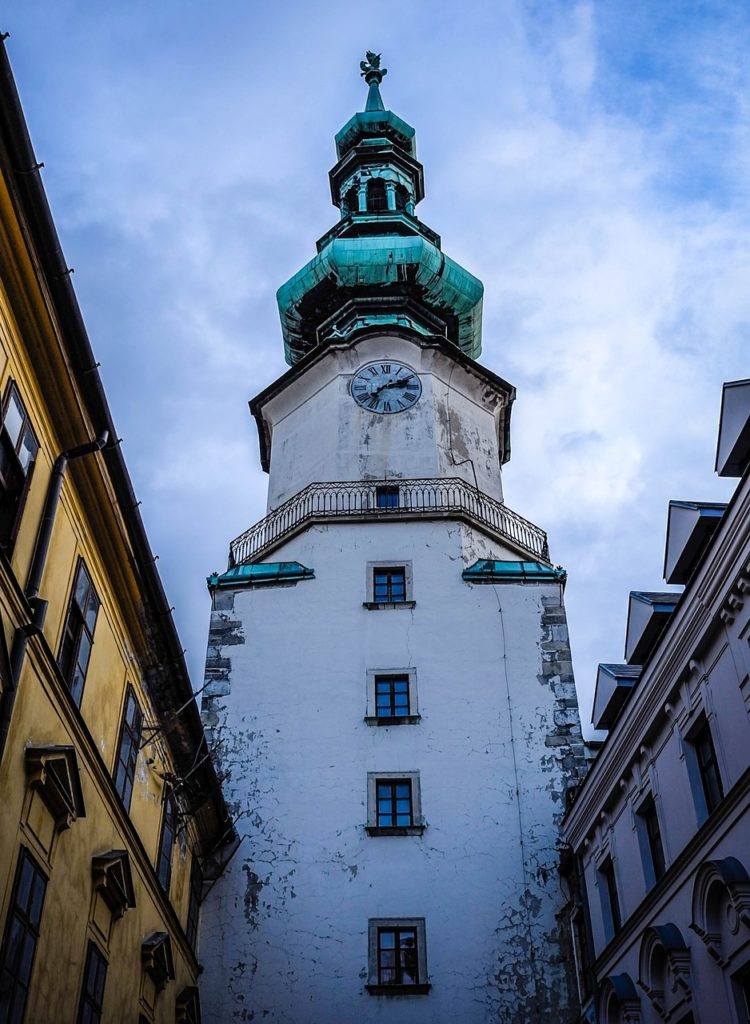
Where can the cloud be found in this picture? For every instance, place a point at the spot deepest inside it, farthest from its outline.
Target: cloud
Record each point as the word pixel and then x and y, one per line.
pixel 588 161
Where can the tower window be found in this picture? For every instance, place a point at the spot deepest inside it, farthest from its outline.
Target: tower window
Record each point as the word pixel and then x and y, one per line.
pixel 92 993
pixel 392 696
pixel 389 584
pixel 394 809
pixel 402 197
pixel 78 634
pixel 351 200
pixel 397 957
pixel 387 497
pixel 394 806
pixel 377 199
pixel 21 937
pixel 18 450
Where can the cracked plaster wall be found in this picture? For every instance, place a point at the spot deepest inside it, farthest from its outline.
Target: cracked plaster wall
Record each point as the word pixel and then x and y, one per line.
pixel 320 433
pixel 284 931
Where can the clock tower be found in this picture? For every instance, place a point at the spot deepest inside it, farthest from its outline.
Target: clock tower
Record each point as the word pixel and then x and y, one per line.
pixel 389 684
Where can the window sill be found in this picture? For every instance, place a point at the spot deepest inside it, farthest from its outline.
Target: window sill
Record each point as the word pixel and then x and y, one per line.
pixel 373 605
pixel 395 720
pixel 398 990
pixel 395 830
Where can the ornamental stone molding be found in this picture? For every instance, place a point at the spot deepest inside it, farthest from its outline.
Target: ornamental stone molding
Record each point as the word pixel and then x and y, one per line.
pixel 113 880
pixel 664 970
pixel 619 1002
pixel 53 773
pixel 721 907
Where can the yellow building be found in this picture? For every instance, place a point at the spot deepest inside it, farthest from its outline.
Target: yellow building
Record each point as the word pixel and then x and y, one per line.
pixel 110 809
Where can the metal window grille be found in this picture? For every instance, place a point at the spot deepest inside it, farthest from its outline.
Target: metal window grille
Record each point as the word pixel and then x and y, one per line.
pixel 127 748
pixel 166 842
pixel 92 993
pixel 389 585
pixel 395 809
pixel 398 962
pixel 708 767
pixel 422 498
pixel 392 696
pixel 78 634
pixel 21 936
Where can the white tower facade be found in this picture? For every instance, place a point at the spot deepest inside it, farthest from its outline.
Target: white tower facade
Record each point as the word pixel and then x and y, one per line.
pixel 389 676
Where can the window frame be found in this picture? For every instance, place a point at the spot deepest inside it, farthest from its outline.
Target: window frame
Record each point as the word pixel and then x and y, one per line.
pixel 25 472
pixel 384 495
pixel 391 566
pixel 610 898
pixel 134 736
pixel 374 676
pixel 417 826
pixel 75 627
pixel 169 824
pixel 29 926
pixel 91 1001
pixel 195 898
pixel 650 841
pixel 375 927
pixel 703 799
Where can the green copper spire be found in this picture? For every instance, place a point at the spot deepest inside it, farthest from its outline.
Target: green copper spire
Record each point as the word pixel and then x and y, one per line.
pixel 379 268
pixel 373 74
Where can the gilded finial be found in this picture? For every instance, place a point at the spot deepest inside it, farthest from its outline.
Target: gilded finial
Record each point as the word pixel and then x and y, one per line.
pixel 373 74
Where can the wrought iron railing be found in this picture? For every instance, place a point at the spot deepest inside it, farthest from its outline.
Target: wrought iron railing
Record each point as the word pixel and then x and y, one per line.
pixel 392 499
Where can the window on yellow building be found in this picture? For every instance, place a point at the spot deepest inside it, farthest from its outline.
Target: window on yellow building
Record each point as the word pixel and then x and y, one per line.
pixel 78 634
pixel 21 937
pixel 194 906
pixel 127 748
pixel 18 450
pixel 166 842
pixel 92 992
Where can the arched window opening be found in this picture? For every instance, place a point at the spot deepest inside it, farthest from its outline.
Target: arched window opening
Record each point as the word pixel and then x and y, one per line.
pixel 402 197
pixel 377 200
pixel 351 201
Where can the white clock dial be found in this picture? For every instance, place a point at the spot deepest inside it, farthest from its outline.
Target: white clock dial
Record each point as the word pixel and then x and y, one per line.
pixel 386 387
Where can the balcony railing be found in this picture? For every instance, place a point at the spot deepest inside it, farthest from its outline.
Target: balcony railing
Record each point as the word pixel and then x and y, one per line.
pixel 381 500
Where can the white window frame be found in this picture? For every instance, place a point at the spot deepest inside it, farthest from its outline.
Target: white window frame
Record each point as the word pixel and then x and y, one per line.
pixel 371 715
pixel 373 984
pixel 391 563
pixel 418 823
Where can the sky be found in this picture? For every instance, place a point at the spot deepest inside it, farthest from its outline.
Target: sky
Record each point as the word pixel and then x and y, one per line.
pixel 590 162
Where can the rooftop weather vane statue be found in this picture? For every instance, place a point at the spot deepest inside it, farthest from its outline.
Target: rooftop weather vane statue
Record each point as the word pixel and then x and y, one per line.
pixel 373 74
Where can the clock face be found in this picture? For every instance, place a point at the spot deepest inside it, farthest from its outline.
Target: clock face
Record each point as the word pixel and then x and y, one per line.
pixel 386 387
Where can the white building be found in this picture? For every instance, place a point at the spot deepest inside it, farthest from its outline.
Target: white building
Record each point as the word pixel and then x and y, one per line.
pixel 390 682
pixel 659 833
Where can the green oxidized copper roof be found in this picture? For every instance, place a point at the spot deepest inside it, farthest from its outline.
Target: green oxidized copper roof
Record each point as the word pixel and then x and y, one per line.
pixel 382 267
pixel 487 570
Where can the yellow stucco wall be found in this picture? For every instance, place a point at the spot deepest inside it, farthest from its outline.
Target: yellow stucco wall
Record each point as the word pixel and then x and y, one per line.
pixel 87 525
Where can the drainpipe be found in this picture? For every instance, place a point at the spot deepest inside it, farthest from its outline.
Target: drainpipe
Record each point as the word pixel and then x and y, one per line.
pixel 38 562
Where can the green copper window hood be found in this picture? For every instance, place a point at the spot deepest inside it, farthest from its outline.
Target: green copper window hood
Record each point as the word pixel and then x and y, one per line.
pixel 265 574
pixel 487 570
